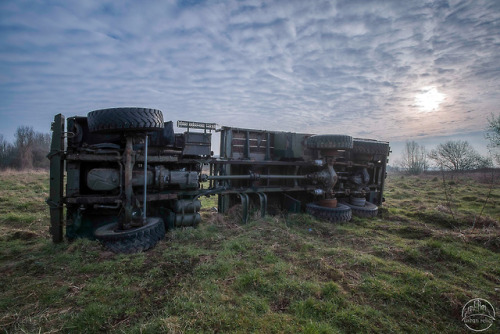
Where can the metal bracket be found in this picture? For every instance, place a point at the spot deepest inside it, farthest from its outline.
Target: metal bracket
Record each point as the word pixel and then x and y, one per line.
pixel 263 204
pixel 244 203
pixel 53 205
pixel 54 153
pixel 69 134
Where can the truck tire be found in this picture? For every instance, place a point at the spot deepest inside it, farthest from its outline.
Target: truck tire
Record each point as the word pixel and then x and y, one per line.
pixel 367 146
pixel 339 142
pixel 125 119
pixel 369 210
pixel 134 240
pixel 357 201
pixel 342 213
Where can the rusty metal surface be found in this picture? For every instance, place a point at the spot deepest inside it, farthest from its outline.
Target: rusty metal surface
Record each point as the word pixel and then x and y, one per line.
pixel 328 203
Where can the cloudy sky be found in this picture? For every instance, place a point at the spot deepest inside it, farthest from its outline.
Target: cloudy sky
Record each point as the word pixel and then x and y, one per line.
pixel 389 70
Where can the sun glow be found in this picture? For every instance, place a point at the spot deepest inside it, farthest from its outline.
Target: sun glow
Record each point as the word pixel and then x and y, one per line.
pixel 429 99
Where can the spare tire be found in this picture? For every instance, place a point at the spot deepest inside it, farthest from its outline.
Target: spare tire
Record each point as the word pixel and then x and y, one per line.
pixel 134 240
pixel 369 210
pixel 342 213
pixel 369 146
pixel 125 119
pixel 339 142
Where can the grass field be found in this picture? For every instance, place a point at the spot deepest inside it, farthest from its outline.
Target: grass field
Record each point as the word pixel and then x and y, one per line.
pixel 409 270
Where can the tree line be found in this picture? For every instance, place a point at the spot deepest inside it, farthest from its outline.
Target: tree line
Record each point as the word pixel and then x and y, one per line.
pixel 29 149
pixel 453 155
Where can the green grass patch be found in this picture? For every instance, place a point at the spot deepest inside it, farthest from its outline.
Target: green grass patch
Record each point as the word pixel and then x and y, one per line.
pixel 409 270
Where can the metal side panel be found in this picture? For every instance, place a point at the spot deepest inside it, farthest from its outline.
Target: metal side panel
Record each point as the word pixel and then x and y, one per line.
pixel 226 143
pixel 197 143
pixel 56 157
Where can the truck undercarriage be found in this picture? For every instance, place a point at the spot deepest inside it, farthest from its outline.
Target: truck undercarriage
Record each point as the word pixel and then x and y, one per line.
pixel 123 176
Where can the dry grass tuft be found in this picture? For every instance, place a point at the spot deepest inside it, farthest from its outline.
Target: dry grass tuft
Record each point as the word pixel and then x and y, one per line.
pixel 23 172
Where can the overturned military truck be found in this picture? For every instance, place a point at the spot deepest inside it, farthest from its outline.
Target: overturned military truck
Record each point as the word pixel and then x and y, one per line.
pixel 124 176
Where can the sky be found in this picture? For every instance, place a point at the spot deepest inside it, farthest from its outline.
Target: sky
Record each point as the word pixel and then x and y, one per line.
pixel 389 70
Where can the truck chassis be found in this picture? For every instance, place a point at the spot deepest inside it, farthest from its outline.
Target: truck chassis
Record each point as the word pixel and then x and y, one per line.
pixel 124 177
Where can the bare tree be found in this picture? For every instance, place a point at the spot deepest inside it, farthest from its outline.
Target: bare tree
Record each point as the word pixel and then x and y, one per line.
pixel 25 136
pixel 493 134
pixel 3 146
pixel 6 153
pixel 414 160
pixel 41 147
pixel 29 150
pixel 458 155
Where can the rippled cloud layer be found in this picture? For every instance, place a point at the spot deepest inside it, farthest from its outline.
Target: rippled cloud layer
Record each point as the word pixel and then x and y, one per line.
pixel 354 67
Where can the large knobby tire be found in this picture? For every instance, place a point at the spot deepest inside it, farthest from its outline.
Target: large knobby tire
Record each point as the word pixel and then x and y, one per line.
pixel 368 146
pixel 342 213
pixel 125 119
pixel 338 142
pixel 369 210
pixel 134 240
